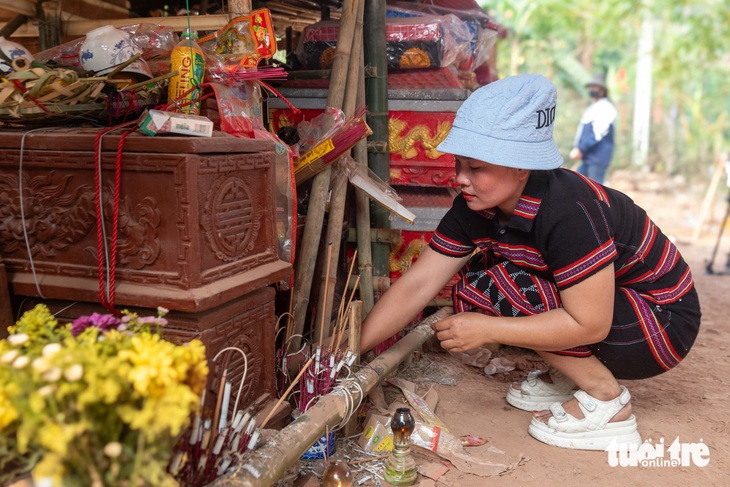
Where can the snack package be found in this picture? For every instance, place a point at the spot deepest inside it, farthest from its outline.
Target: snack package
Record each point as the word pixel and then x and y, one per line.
pixel 155 122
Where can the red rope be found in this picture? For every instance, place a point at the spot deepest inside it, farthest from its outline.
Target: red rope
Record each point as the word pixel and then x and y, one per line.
pixel 109 305
pixel 22 88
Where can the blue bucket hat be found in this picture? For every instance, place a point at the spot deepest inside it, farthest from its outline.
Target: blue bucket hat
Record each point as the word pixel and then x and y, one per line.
pixel 508 123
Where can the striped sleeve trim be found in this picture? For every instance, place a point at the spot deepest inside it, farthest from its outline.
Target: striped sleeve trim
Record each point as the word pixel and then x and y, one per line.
pixel 584 267
pixel 449 247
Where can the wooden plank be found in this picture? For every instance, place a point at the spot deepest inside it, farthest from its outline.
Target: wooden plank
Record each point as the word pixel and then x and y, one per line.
pixel 17 7
pixel 84 9
pixel 74 139
pixel 78 28
pixel 94 9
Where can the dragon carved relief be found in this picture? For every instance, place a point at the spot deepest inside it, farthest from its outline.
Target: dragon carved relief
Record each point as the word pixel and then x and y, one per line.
pixel 402 262
pixel 54 215
pixel 57 215
pixel 405 145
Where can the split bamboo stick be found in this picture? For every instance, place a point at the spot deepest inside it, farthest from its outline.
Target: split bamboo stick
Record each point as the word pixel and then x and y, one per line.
pixel 267 464
pixel 339 182
pixel 341 309
pixel 324 317
pixel 320 184
pixel 354 345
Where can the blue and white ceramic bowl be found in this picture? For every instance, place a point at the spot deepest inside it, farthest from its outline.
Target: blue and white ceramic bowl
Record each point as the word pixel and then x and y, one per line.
pixel 106 48
pixel 12 50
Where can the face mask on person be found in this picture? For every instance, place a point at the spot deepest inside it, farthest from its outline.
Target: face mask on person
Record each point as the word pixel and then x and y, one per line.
pixel 595 93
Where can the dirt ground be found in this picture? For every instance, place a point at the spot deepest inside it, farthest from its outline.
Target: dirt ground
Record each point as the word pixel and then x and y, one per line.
pixel 685 403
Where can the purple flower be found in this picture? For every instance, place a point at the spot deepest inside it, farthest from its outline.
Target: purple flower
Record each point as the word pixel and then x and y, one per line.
pixel 103 322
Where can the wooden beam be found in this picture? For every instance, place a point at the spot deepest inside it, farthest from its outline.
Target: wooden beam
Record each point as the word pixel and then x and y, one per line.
pixel 23 8
pixel 79 9
pixel 78 28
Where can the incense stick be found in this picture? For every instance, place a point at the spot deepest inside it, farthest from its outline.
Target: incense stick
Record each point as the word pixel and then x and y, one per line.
pixel 286 393
pixel 341 311
pixel 349 302
pixel 218 402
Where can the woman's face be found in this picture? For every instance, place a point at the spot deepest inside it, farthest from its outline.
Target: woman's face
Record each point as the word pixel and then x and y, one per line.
pixel 486 186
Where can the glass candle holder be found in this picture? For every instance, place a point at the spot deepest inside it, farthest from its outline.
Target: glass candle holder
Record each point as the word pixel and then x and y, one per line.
pixel 338 474
pixel 400 468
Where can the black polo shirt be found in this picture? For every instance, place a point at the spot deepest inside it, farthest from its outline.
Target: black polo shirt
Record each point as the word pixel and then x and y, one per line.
pixel 566 228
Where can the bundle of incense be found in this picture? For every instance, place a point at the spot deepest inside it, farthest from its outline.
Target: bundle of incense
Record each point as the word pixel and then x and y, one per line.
pixel 261 72
pixel 203 455
pixel 329 150
pixel 240 73
pixel 321 375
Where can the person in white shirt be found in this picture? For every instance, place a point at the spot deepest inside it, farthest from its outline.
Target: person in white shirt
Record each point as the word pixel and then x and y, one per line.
pixel 594 139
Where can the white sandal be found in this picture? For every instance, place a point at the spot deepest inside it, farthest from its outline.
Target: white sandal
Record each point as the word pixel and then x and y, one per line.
pixel 535 394
pixel 593 432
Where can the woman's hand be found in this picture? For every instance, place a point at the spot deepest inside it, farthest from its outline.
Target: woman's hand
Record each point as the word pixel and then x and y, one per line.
pixel 463 331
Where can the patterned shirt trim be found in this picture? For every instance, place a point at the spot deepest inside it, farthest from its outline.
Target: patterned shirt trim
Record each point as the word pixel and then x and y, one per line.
pixel 656 337
pixel 598 189
pixel 671 294
pixel 450 247
pixel 595 260
pixel 527 207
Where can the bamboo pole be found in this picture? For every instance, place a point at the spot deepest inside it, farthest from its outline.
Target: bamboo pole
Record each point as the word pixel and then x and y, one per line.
pixel 239 6
pixel 49 17
pixel 379 235
pixel 339 183
pixel 362 215
pixel 377 101
pixel 271 460
pixel 323 317
pixel 8 29
pixel 320 184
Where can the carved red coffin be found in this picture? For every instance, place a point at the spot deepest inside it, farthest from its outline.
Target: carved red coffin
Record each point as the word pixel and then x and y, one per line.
pixel 196 217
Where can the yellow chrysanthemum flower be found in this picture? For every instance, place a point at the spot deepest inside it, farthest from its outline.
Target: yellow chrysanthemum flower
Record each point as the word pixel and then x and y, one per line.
pixel 8 413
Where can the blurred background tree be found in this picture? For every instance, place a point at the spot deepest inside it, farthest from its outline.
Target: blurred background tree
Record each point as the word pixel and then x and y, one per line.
pixel 687 65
